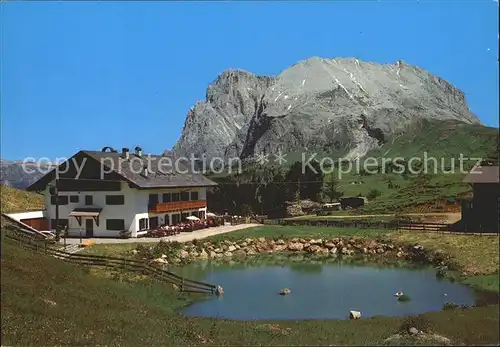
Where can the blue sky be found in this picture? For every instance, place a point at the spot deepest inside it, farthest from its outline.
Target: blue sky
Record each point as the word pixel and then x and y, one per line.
pixel 90 74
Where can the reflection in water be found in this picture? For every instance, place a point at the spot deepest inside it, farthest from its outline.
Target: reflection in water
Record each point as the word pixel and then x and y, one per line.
pixel 320 290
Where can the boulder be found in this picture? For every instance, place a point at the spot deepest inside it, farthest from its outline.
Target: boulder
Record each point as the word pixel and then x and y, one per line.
pixel 279 248
pixel 183 254
pixel 330 245
pixel 285 291
pixel 203 254
pixel 413 331
pixel 295 246
pixel 228 254
pixel 324 250
pixel 240 253
pixel 314 249
pixel 231 248
pixel 333 250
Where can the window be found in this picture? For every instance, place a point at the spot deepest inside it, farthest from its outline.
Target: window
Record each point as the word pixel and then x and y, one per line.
pixel 176 196
pixel 153 222
pixel 143 224
pixel 153 199
pixel 62 223
pixel 89 200
pixel 194 196
pixel 115 200
pixel 185 196
pixel 167 219
pixel 115 224
pixel 74 198
pixel 167 197
pixel 184 216
pixel 176 218
pixel 63 199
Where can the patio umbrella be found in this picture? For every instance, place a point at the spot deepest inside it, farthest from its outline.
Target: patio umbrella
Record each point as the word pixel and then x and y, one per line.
pixel 192 218
pixel 210 214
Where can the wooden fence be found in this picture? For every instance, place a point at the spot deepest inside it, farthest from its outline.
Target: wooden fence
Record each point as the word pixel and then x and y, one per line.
pixel 136 266
pixel 392 225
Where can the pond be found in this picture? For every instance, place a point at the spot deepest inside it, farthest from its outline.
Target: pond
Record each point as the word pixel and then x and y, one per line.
pixel 320 290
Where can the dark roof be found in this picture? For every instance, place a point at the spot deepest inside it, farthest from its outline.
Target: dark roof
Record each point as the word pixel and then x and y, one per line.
pixel 163 172
pixel 483 174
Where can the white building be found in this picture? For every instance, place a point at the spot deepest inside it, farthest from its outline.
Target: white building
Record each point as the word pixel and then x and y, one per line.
pixel 104 193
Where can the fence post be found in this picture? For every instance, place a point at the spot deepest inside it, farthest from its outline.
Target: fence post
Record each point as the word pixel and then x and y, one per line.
pixel 182 284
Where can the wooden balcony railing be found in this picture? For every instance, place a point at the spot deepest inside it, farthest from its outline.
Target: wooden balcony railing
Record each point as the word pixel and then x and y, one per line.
pixel 177 206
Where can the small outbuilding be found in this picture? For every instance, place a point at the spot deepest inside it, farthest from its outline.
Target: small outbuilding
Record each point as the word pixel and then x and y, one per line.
pixel 481 213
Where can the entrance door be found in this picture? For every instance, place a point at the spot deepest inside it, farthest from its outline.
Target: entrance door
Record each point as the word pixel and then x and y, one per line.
pixel 153 222
pixel 89 228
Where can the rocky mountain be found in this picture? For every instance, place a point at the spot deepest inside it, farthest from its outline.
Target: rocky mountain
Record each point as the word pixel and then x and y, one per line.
pixel 340 105
pixel 18 175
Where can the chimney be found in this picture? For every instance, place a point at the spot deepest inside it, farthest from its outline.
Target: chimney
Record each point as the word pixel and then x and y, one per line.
pixel 138 151
pixel 145 171
pixel 125 153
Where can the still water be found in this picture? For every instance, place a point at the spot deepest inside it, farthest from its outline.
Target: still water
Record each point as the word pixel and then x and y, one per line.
pixel 321 290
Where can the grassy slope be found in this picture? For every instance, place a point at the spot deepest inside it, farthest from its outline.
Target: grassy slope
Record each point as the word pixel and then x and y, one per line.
pixel 95 311
pixel 13 199
pixel 441 139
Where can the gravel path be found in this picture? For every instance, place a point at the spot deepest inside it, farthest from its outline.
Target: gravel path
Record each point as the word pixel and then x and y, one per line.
pixel 182 237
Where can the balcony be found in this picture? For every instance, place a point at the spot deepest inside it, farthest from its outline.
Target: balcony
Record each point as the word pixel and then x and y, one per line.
pixel 177 206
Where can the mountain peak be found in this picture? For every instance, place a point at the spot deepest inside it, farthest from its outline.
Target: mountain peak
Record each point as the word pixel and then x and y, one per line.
pixel 317 103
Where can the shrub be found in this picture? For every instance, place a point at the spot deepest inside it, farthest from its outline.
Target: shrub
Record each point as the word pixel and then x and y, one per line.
pixel 374 193
pixel 449 306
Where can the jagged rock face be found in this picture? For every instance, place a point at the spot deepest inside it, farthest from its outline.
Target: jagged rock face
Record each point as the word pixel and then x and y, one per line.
pixel 219 124
pixel 317 105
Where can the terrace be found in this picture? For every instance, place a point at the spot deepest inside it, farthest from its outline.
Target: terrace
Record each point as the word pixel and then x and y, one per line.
pixel 177 206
